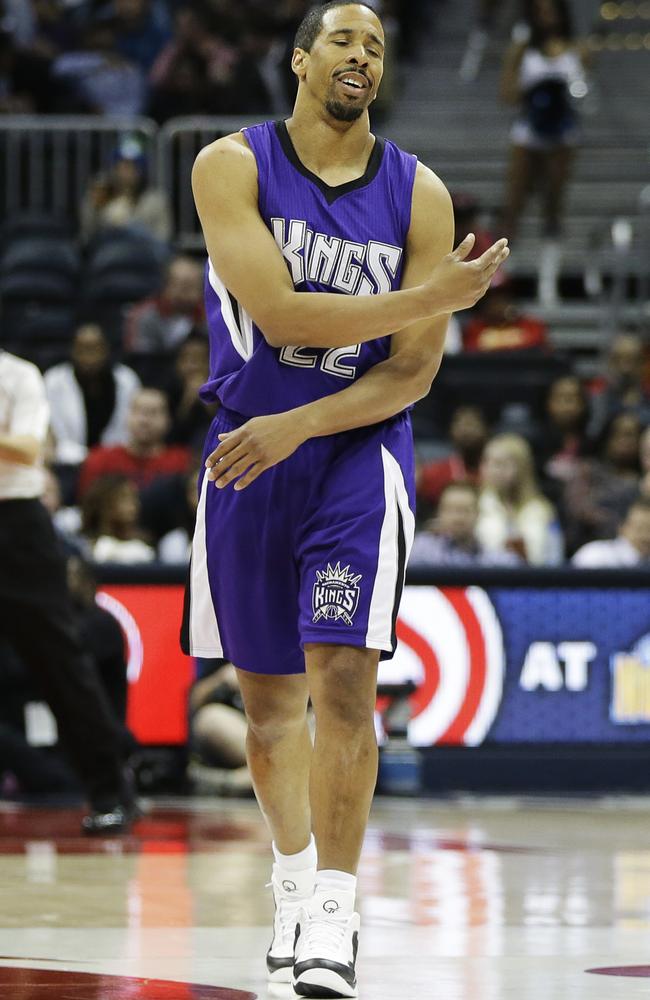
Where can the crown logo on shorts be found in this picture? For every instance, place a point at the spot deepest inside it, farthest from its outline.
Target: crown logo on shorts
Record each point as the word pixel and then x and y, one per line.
pixel 336 594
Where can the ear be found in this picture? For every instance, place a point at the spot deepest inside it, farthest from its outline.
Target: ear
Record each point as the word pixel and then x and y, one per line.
pixel 299 63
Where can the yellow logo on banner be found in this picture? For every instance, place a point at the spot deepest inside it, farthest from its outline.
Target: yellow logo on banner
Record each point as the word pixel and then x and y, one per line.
pixel 630 689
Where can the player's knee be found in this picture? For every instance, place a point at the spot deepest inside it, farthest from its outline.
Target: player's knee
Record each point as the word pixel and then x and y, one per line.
pixel 344 703
pixel 268 727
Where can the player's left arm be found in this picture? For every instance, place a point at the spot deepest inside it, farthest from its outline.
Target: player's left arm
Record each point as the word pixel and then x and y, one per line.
pixel 386 389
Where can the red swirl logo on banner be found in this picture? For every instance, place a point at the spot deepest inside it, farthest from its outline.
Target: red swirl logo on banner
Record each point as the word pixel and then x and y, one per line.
pixel 451 646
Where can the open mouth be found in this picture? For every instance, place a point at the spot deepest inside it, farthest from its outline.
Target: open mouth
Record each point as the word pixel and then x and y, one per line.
pixel 352 83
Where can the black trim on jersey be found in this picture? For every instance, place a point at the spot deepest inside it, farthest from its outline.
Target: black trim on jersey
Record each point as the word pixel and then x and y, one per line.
pixel 401 568
pixel 236 312
pixel 185 621
pixel 331 193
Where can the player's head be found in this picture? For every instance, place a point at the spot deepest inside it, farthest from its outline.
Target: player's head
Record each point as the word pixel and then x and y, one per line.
pixel 336 42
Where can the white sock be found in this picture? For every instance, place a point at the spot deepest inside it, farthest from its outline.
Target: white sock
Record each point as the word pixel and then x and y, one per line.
pixel 337 886
pixel 307 858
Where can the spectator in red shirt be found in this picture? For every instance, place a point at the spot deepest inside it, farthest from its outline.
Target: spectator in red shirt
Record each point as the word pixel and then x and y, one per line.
pixel 468 432
pixel 160 324
pixel 498 325
pixel 145 456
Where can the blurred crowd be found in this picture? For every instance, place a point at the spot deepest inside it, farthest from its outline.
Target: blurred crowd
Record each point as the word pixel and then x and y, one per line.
pixel 507 485
pixel 161 58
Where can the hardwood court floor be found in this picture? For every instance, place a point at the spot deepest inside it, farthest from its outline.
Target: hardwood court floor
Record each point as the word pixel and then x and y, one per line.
pixel 466 900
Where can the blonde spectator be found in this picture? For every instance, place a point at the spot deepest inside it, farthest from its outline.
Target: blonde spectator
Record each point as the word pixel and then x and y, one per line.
pixel 513 513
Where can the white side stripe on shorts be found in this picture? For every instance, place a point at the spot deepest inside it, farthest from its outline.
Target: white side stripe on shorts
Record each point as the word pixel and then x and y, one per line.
pixel 390 574
pixel 205 639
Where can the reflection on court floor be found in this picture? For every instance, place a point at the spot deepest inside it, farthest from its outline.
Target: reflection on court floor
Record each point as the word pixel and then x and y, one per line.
pixel 470 900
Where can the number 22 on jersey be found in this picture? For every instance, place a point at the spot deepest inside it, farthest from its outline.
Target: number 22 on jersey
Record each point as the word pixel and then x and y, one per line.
pixel 331 361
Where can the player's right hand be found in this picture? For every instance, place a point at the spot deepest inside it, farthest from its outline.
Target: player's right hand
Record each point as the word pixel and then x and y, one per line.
pixel 457 283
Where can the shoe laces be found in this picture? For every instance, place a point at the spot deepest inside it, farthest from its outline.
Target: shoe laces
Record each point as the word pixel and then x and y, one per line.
pixel 287 910
pixel 325 934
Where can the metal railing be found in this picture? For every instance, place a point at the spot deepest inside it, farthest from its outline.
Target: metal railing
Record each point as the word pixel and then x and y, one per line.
pixel 47 162
pixel 179 142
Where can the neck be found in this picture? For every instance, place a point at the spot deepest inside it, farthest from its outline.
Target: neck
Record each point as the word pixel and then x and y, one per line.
pixel 321 141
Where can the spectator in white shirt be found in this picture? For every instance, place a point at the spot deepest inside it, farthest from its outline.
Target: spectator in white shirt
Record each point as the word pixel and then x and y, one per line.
pixel 89 397
pixel 631 547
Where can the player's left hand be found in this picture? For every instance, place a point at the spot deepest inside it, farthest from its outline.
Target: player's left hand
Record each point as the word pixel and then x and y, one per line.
pixel 245 453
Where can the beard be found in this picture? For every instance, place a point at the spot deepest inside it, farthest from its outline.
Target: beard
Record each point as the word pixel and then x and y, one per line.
pixel 343 112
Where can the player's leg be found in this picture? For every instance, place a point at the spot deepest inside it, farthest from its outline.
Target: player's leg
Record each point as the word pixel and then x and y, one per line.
pixel 342 682
pixel 354 544
pixel 343 686
pixel 279 750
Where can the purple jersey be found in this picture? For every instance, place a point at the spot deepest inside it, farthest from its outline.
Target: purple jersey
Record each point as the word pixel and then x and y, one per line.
pixel 348 239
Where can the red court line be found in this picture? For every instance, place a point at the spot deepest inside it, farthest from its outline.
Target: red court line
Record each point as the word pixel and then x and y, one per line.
pixel 633 971
pixel 41 984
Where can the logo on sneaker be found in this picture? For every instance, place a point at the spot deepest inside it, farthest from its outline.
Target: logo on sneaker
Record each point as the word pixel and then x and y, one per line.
pixel 336 594
pixel 289 886
pixel 331 906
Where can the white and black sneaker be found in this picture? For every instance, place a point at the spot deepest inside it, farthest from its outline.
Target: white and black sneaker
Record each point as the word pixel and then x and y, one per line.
pixel 291 892
pixel 325 950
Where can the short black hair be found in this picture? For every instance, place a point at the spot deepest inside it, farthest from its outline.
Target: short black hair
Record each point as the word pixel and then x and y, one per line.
pixel 312 24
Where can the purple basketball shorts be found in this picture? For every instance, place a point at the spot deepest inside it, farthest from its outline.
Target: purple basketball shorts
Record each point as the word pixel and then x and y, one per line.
pixel 314 551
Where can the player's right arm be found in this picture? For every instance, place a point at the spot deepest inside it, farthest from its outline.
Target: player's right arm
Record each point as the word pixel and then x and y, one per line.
pixel 250 264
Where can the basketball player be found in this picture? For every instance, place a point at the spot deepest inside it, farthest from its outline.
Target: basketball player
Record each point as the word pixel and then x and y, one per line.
pixel 330 283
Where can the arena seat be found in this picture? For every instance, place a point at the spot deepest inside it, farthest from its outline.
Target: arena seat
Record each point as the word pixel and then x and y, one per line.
pixel 38 331
pixel 36 268
pixel 121 267
pixel 490 381
pixel 37 224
